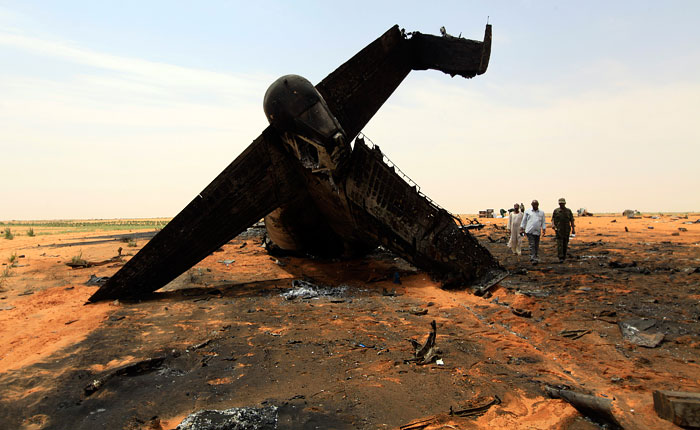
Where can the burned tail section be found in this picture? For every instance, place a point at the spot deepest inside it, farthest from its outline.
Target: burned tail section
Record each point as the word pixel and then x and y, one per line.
pixel 451 55
pixel 357 89
pixel 405 221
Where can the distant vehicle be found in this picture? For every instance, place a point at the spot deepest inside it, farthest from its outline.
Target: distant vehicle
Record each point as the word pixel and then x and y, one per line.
pixel 583 212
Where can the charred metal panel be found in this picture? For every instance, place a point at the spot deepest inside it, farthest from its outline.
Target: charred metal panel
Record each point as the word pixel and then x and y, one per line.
pixel 377 189
pixel 404 221
pixel 357 89
pixel 255 183
pixel 451 55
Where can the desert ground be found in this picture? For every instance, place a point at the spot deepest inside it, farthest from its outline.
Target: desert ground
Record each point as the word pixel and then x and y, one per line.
pixel 223 334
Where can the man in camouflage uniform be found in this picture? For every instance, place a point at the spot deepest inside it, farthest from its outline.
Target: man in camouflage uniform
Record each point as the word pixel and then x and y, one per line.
pixel 563 222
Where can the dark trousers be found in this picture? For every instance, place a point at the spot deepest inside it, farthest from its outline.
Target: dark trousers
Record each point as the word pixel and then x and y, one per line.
pixel 562 243
pixel 533 240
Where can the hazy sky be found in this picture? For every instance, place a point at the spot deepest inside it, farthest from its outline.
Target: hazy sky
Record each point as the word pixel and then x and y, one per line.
pixel 129 109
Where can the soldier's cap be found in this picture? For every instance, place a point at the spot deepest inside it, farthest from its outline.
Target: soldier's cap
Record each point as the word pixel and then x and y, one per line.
pixel 562 200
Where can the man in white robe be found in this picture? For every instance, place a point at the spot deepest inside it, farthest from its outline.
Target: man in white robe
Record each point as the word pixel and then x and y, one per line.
pixel 514 220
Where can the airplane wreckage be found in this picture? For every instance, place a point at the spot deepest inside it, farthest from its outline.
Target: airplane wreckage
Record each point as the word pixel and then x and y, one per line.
pixel 318 194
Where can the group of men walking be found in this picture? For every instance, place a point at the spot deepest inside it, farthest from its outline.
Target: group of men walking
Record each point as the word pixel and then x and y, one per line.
pixel 532 223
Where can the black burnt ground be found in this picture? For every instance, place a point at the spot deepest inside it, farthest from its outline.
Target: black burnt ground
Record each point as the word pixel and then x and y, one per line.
pixel 238 343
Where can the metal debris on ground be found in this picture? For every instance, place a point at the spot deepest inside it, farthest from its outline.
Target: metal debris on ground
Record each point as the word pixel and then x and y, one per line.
pixel 428 352
pixel 302 289
pixel 525 313
pixel 96 280
pixel 540 294
pixel 472 224
pixel 634 331
pixel 681 408
pixel 362 345
pixel 598 409
pixel 473 408
pixel 233 419
pixel 574 334
pixel 227 262
pixel 414 311
pixel 477 407
pixel 609 316
pixel 420 423
pixel 199 345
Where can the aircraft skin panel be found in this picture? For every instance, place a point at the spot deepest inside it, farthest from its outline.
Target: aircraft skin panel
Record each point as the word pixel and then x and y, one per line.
pixel 262 178
pixel 386 207
pixel 451 55
pixel 357 89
